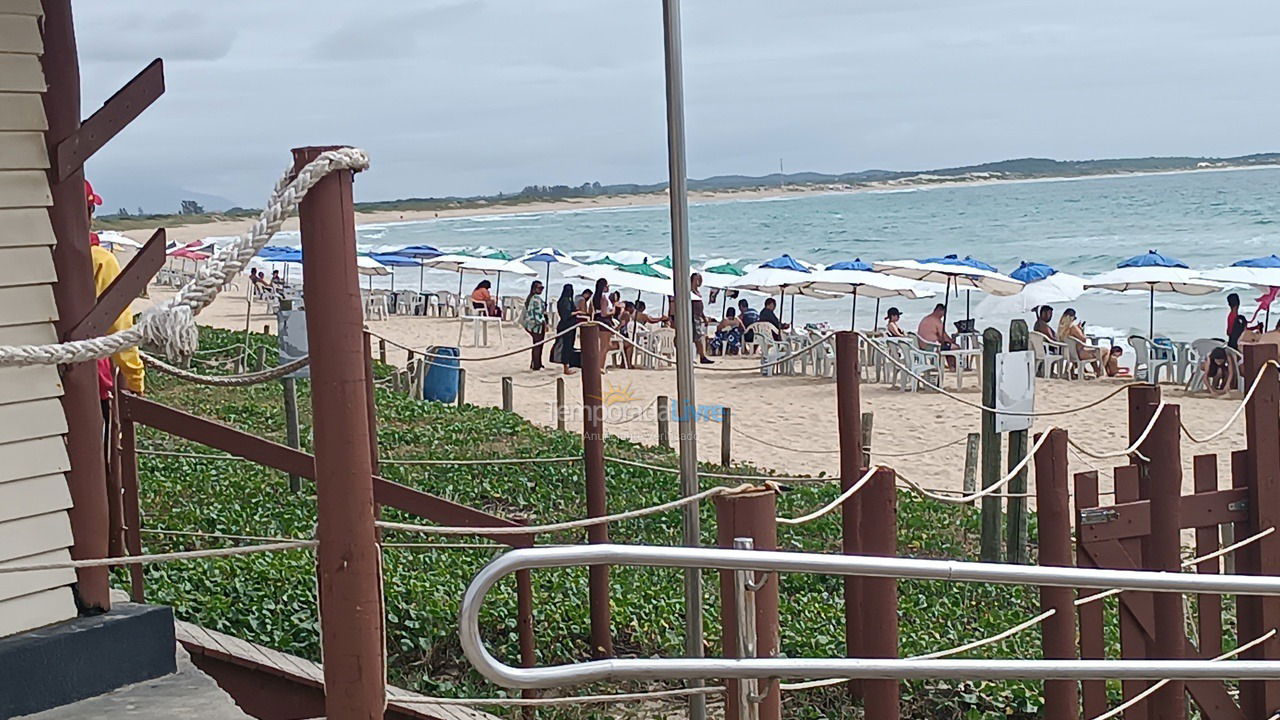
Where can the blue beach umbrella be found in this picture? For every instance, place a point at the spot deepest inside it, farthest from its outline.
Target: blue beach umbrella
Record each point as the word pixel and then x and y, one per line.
pixel 421 252
pixel 1154 273
pixel 856 277
pixel 1042 285
pixel 548 256
pixel 778 275
pixel 395 260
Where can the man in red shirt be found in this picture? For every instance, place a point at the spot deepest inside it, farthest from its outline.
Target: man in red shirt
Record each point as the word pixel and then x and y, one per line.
pixel 1233 303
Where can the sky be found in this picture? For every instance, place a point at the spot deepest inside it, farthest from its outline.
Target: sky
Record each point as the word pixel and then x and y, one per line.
pixel 465 97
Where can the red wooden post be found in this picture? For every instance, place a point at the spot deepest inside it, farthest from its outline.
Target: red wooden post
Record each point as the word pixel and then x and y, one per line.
pixel 1093 693
pixel 1262 434
pixel 750 515
pixel 878 531
pixel 74 296
pixel 1059 634
pixel 849 423
pixel 1133 639
pixel 597 492
pixel 132 505
pixel 348 555
pixel 1208 607
pixel 1164 546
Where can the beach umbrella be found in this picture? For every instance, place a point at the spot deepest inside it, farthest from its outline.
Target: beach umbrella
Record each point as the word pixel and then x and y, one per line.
pixel 783 275
pixel 370 268
pixel 1262 272
pixel 856 277
pixel 721 277
pixel 606 260
pixel 548 256
pixel 640 277
pixel 953 271
pixel 1153 273
pixel 1042 285
pixel 111 238
pixel 394 260
pixel 480 265
pixel 422 252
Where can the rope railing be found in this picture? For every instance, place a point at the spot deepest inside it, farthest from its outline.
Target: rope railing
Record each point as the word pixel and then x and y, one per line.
pixel 242 380
pixel 837 502
pixel 1161 683
pixel 988 490
pixel 1257 379
pixel 160 557
pixel 171 325
pixel 569 524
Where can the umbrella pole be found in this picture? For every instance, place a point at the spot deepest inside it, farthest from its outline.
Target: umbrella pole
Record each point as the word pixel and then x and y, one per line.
pixel 546 286
pixel 792 323
pixel 1151 327
pixel 853 315
pixel 422 275
pixel 967 294
pixel 497 291
pixel 946 302
pixel 875 322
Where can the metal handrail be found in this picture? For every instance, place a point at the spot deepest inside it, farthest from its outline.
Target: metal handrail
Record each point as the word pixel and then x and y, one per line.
pixel 883 567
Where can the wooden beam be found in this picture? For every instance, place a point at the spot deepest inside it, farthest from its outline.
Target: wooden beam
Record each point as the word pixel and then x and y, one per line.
pixel 128 285
pixel 115 114
pixel 1133 519
pixel 285 459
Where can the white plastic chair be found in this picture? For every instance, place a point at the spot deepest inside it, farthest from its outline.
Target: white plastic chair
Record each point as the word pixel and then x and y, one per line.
pixel 663 342
pixel 375 306
pixel 1200 349
pixel 1151 359
pixel 760 332
pixel 1051 355
pixel 1073 366
pixel 923 363
pixel 447 304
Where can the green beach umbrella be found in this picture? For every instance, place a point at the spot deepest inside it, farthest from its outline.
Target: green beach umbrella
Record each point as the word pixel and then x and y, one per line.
pixel 606 260
pixel 725 269
pixel 641 269
pixel 664 262
pixel 500 255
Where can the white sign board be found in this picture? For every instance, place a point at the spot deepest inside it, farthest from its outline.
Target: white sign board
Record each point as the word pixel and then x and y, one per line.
pixel 1015 390
pixel 292 332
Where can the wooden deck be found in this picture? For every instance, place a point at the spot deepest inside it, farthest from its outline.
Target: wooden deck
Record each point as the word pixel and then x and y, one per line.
pixel 201 641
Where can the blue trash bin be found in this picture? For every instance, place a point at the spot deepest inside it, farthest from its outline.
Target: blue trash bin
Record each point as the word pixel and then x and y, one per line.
pixel 441 382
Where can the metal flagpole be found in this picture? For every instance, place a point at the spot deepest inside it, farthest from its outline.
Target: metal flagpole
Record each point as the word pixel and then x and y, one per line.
pixel 682 312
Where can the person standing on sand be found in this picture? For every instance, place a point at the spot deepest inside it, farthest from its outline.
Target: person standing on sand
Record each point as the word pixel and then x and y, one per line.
pixel 566 329
pixel 534 321
pixel 699 318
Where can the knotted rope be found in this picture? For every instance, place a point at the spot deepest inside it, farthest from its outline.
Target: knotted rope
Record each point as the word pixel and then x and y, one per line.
pixel 171 326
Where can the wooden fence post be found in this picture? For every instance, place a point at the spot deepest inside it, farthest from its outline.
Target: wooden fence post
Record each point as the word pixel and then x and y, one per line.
pixel 971 453
pixel 382 351
pixel 1059 632
pixel 664 422
pixel 1133 639
pixel 1016 520
pixel 878 535
pixel 1262 435
pixel 992 342
pixel 597 499
pixel 1093 693
pixel 462 386
pixel 508 391
pixel 292 433
pixel 752 516
pixel 726 436
pixel 560 407
pixel 850 429
pixel 348 557
pixel 1208 607
pixel 868 425
pixel 262 357
pixel 132 506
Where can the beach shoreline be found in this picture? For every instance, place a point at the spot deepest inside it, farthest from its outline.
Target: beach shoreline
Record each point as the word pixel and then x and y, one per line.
pixel 198 231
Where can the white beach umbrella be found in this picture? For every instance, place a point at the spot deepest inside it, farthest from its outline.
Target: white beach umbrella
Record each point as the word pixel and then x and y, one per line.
pixel 1153 273
pixel 461 264
pixel 953 271
pixel 371 268
pixel 112 239
pixel 1263 272
pixel 621 277
pixel 1042 285
pixel 855 277
pixel 783 275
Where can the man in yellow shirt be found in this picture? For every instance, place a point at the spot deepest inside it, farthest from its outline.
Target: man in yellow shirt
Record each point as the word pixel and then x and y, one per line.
pixel 105 270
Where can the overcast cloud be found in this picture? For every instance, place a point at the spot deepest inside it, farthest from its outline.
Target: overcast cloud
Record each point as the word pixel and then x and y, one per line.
pixel 480 96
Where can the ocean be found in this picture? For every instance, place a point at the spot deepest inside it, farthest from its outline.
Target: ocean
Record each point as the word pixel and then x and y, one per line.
pixel 1082 226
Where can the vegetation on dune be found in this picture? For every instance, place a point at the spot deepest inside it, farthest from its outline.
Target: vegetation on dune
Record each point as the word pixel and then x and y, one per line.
pixel 270 598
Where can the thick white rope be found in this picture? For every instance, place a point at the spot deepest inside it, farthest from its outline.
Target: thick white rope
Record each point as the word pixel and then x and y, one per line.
pixel 573 700
pixel 979 406
pixel 496 461
pixel 570 524
pixel 1244 402
pixel 1156 686
pixel 837 502
pixel 218 536
pixel 1132 449
pixel 171 325
pixel 1079 602
pixel 160 557
pixel 990 489
pixel 719 475
pixel 242 380
pixel 777 446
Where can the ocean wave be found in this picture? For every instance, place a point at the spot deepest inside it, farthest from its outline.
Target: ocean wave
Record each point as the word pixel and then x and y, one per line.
pixel 1187 307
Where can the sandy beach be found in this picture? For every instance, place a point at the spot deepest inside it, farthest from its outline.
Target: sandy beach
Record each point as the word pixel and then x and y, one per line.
pixel 784 423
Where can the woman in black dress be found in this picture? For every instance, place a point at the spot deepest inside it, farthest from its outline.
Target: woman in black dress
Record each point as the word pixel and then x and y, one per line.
pixel 568 319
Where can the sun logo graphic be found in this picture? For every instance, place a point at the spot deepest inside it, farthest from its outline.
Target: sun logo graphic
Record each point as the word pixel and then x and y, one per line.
pixel 614 395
